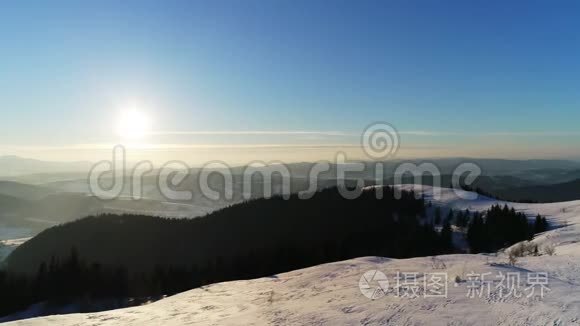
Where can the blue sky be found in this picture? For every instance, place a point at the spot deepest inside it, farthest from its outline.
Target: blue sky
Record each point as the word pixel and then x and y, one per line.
pixel 448 74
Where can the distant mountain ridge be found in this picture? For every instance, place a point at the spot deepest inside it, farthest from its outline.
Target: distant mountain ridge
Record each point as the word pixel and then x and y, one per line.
pixel 24 191
pixel 14 166
pixel 567 191
pixel 11 166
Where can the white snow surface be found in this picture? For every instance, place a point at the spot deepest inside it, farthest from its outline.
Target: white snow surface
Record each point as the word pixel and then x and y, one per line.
pixel 329 294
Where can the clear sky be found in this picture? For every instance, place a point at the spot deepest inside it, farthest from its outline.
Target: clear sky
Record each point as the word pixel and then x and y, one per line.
pixel 456 78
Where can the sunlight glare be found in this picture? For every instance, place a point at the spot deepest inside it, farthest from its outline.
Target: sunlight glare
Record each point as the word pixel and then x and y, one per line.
pixel 133 124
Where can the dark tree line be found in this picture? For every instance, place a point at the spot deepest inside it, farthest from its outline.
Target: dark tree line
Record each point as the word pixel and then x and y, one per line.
pixel 142 256
pixel 62 281
pixel 500 227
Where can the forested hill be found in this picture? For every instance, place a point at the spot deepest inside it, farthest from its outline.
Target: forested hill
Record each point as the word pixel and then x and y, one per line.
pixel 278 234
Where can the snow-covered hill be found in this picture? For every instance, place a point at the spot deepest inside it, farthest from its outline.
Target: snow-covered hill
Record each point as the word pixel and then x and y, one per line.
pixel 331 294
pixel 566 214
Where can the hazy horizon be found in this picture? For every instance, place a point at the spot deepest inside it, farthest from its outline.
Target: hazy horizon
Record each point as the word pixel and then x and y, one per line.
pixel 289 153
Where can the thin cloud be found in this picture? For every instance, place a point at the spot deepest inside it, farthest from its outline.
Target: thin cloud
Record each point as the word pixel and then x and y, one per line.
pixel 428 133
pixel 423 133
pixel 535 133
pixel 108 146
pixel 493 133
pixel 351 141
pixel 253 133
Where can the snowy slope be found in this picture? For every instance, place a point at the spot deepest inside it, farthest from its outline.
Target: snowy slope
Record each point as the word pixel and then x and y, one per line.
pixel 559 214
pixel 330 295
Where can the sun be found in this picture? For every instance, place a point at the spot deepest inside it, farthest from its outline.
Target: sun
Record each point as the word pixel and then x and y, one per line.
pixel 133 124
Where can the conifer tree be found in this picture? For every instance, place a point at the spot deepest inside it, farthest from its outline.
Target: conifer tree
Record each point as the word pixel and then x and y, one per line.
pixel 437 218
